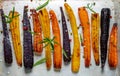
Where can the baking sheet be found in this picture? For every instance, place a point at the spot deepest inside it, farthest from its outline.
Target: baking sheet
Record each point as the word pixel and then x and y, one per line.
pixel 93 70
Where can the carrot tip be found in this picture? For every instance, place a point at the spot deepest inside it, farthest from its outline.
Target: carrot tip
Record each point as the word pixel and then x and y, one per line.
pixel 115 24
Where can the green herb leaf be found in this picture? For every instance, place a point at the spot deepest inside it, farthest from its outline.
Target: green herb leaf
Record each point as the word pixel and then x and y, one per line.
pixel 81 38
pixel 50 42
pixel 16 16
pixel 8 21
pixel 13 12
pixel 43 60
pixel 33 33
pixel 64 53
pixel 6 16
pixel 46 45
pixel 43 5
pixel 53 38
pixel 44 41
pixel 89 6
pixel 52 46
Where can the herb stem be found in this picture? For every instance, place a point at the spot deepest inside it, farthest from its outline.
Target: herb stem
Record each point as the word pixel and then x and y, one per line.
pixel 43 5
pixel 90 7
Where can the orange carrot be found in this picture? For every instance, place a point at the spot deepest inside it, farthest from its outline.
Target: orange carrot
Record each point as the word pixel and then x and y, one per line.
pixel 112 54
pixel 38 48
pixel 84 19
pixel 57 54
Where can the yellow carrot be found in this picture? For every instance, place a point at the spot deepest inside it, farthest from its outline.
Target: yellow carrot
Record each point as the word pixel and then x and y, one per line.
pixel 76 46
pixel 95 26
pixel 45 23
pixel 15 33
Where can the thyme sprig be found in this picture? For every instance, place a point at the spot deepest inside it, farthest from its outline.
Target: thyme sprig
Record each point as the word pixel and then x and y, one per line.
pixel 90 7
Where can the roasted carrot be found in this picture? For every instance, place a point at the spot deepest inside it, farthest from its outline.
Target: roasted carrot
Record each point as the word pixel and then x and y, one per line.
pixel 84 19
pixel 95 28
pixel 57 54
pixel 76 47
pixel 105 24
pixel 45 23
pixel 66 41
pixel 27 41
pixel 8 57
pixel 37 28
pixel 113 41
pixel 15 33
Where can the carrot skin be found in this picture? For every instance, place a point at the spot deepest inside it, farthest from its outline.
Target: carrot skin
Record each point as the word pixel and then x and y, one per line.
pixel 95 28
pixel 76 47
pixel 113 41
pixel 105 23
pixel 57 54
pixel 66 41
pixel 84 19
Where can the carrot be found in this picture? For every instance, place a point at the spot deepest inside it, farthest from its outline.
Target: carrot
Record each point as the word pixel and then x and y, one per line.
pixel 104 25
pixel 57 54
pixel 66 41
pixel 45 23
pixel 95 26
pixel 15 33
pixel 112 54
pixel 38 48
pixel 28 57
pixel 76 46
pixel 8 57
pixel 83 16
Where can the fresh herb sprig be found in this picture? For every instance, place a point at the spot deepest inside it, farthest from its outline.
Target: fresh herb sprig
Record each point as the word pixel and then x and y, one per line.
pixel 64 53
pixel 33 33
pixel 43 5
pixel 81 39
pixel 90 7
pixel 50 42
pixel 9 19
pixel 43 60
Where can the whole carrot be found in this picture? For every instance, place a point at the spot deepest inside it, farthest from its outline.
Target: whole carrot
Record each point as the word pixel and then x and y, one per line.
pixel 105 23
pixel 76 47
pixel 84 19
pixel 113 42
pixel 27 41
pixel 45 23
pixel 95 28
pixel 57 54
pixel 6 41
pixel 66 41
pixel 37 28
pixel 15 33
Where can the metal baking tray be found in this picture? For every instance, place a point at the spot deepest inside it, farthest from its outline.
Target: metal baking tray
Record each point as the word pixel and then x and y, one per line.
pixel 93 70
